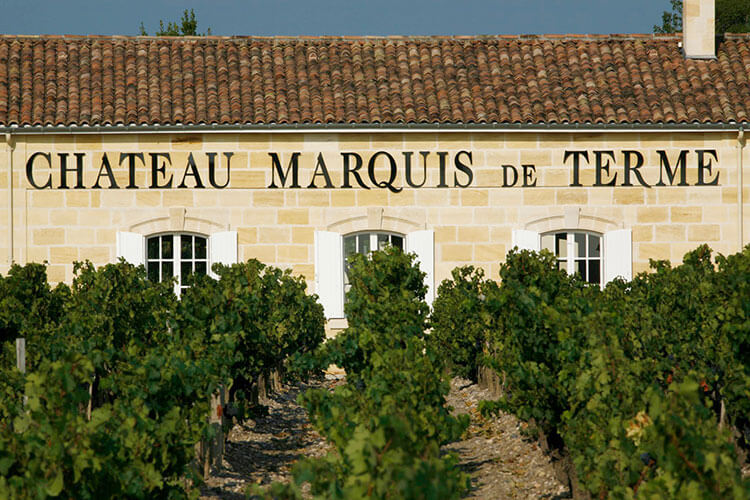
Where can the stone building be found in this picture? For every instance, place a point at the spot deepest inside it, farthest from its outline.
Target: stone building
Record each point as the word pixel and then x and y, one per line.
pixel 180 152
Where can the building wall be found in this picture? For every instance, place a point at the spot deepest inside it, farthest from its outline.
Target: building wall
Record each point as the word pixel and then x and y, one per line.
pixel 473 225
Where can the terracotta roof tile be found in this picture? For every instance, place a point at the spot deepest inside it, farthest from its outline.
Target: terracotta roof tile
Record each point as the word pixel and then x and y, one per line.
pixel 616 79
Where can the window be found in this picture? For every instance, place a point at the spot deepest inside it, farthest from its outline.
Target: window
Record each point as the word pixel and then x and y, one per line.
pixel 363 243
pixel 331 249
pixel 176 255
pixel 577 252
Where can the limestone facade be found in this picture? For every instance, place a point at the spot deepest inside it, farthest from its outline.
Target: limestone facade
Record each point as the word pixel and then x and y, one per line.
pixel 473 219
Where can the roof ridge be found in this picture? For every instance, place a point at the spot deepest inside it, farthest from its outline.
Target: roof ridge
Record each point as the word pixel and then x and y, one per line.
pixel 548 36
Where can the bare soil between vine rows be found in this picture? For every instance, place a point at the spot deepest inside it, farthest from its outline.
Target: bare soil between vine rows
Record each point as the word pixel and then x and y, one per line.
pixel 502 463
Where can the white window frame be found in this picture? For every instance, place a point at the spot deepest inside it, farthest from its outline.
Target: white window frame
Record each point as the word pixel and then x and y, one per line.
pixel 221 248
pixel 373 246
pixel 177 258
pixel 571 258
pixel 616 253
pixel 329 265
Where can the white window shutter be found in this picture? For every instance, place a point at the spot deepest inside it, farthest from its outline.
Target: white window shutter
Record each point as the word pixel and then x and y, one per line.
pixel 618 255
pixel 422 243
pixel 222 248
pixel 329 273
pixel 526 240
pixel 131 247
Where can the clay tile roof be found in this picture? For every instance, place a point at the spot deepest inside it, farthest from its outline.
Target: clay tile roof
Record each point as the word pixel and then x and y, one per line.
pixel 553 79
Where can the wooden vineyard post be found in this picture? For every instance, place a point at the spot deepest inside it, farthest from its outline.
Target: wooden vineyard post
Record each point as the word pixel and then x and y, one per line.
pixel 21 360
pixel 21 354
pixel 213 451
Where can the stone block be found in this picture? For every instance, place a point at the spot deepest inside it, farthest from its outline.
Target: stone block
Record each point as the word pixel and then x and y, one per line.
pixel 445 234
pixel 34 254
pixel 600 196
pixel 372 197
pixel 686 214
pixel 106 236
pixel 303 235
pixel 34 217
pixel 538 196
pixel 628 196
pixel 249 179
pixel 652 214
pixel 456 216
pixel 489 252
pixel 274 235
pixel 49 199
pixel 63 255
pixel 293 216
pixel 148 198
pixel 474 197
pixel 701 233
pixel 264 253
pixel 658 251
pixel 314 198
pixel 671 196
pixel 247 235
pixel 177 198
pixel 572 196
pixel 670 233
pixel 456 252
pixel 98 255
pixel 80 236
pixel 77 198
pixel 118 199
pixel 268 198
pixel 56 273
pixel 343 198
pixel 259 216
pixel 729 195
pixel 292 253
pixel 704 195
pixel 403 199
pixel 307 271
pixel 473 234
pixel 49 236
pixel 643 233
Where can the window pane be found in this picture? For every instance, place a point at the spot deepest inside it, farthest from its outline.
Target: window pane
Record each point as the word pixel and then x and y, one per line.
pixel 594 246
pixel 153 248
pixel 580 245
pixel 561 245
pixel 166 271
pixel 548 242
pixel 185 269
pixel 561 264
pixel 200 247
pixel 186 246
pixel 200 268
pixel 397 241
pixel 166 247
pixel 350 245
pixel 363 243
pixel 382 241
pixel 581 268
pixel 153 271
pixel 595 267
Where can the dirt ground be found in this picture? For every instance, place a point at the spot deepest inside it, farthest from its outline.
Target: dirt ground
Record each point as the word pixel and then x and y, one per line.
pixel 501 462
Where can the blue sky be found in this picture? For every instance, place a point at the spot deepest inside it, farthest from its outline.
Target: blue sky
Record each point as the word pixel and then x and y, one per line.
pixel 335 17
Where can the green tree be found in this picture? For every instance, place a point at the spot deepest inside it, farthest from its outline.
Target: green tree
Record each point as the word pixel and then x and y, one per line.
pixel 188 26
pixel 732 16
pixel 671 22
